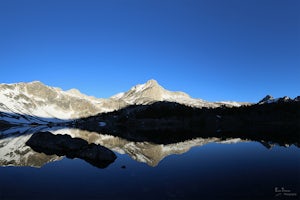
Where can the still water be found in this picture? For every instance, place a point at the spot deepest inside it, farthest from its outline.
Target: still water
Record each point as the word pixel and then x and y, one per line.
pixel 200 168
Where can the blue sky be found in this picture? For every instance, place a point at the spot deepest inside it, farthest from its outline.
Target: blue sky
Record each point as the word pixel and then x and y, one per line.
pixel 213 49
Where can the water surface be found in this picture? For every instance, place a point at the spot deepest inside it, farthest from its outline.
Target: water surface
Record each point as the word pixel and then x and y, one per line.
pixel 199 168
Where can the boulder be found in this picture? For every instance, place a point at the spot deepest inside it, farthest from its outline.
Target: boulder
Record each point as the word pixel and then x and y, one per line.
pixel 65 145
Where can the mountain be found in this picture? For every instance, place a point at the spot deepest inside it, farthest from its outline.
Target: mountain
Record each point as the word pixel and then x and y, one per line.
pixel 266 99
pixel 151 92
pixel 35 102
pixel 269 99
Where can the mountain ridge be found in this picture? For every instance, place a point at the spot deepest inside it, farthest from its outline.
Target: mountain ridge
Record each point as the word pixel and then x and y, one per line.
pixel 37 100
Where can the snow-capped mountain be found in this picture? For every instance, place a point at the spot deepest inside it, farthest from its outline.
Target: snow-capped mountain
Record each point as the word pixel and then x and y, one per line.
pixel 36 102
pixel 151 91
pixel 269 99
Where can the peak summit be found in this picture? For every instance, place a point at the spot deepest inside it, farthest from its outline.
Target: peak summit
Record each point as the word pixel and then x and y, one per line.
pixel 151 82
pixel 268 97
pixel 36 83
pixel 151 91
pixel 149 85
pixel 74 91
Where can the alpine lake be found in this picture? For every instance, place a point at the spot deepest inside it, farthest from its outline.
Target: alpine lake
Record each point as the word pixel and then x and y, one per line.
pixel 198 168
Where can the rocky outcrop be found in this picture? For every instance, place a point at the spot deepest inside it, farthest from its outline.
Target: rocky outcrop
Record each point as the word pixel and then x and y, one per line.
pixel 65 145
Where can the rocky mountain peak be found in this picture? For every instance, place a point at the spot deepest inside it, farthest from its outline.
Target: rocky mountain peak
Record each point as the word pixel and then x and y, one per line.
pixel 144 93
pixel 151 83
pixel 148 85
pixel 270 99
pixel 285 99
pixel 74 92
pixel 266 99
pixel 152 91
pixel 36 83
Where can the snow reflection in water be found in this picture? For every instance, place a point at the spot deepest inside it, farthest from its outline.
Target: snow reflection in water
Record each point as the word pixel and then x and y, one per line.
pixel 201 167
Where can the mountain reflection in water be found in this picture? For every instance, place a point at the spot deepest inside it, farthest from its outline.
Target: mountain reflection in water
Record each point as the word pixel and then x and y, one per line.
pixel 15 152
pixel 65 145
pixel 195 168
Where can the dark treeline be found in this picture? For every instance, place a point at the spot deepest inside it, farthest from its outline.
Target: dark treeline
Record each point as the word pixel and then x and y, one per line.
pixel 170 122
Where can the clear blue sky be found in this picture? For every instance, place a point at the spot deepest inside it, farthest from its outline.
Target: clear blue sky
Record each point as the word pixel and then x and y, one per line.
pixel 214 49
